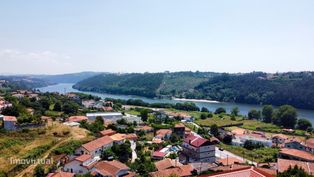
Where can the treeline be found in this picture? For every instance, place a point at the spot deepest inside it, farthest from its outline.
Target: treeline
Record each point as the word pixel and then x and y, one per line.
pixel 187 106
pixel 296 89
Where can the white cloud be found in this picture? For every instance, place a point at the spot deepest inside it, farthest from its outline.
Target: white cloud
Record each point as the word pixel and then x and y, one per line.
pixel 34 62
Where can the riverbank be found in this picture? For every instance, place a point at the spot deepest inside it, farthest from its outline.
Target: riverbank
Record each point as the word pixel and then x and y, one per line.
pixel 194 100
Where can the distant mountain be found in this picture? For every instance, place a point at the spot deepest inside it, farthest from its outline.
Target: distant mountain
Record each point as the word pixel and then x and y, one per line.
pixel 66 78
pixel 21 82
pixel 147 84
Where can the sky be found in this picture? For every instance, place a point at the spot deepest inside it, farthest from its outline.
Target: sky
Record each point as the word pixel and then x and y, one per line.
pixel 53 37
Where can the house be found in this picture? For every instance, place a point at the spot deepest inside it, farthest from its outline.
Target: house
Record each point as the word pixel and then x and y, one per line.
pixel 181 171
pixel 295 143
pixel 284 164
pixel 9 123
pixel 120 138
pixel 256 138
pixel 179 130
pixel 278 139
pixel 77 118
pixel 113 116
pixel 81 164
pixel 88 103
pixel 163 134
pixel 295 154
pixel 111 169
pixel 95 147
pixel 145 129
pixel 198 149
pixel 243 172
pixel 108 132
pixel 61 174
pixel 167 164
pixel 157 155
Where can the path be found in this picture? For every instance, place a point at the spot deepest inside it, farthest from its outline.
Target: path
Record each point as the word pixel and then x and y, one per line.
pixel 226 154
pixel 133 147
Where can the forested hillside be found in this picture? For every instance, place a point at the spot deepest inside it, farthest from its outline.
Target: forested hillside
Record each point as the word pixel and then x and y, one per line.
pixel 296 89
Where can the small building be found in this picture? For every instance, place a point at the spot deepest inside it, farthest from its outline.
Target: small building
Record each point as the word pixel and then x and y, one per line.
pixel 279 139
pixel 111 168
pixel 9 123
pixel 77 119
pixel 284 164
pixel 198 149
pixel 80 165
pixel 95 147
pixel 294 154
pixel 166 164
pixel 179 130
pixel 61 174
pixel 243 172
pixel 114 116
pixel 163 134
pixel 180 171
pixel 108 132
pixel 145 129
pixel 157 155
pixel 120 138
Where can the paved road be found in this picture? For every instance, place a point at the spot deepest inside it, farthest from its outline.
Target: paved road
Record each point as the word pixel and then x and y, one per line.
pixel 133 147
pixel 224 154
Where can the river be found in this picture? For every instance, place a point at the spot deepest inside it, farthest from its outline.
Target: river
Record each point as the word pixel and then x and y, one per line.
pixel 212 105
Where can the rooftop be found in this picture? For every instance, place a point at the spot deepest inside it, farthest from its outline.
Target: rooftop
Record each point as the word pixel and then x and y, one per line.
pixel 195 140
pixel 77 118
pixel 244 172
pixel 9 118
pixel 97 143
pixel 284 164
pixel 110 168
pixel 104 114
pixel 167 163
pixel 297 153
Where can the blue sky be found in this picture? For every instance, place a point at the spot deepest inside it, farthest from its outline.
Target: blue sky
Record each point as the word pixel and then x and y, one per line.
pixel 151 36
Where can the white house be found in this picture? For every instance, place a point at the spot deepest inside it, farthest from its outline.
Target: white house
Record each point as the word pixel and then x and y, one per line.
pixel 95 147
pixel 239 140
pixel 81 164
pixel 9 123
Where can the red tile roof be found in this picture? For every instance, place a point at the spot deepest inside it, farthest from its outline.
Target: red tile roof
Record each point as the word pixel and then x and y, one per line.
pixel 166 163
pixel 297 153
pixel 83 158
pixel 195 140
pixel 158 154
pixel 244 172
pixel 77 118
pixel 9 118
pixel 108 132
pixel 61 174
pixel 97 143
pixel 110 168
pixel 284 164
pixel 163 132
pixel 230 161
pixel 181 171
pixel 310 143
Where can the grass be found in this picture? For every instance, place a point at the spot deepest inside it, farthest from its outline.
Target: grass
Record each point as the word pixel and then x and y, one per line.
pixel 262 155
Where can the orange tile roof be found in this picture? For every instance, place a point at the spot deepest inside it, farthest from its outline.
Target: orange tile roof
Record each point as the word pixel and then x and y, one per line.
pixel 166 163
pixel 184 170
pixel 10 118
pixel 243 172
pixel 310 143
pixel 284 164
pixel 61 174
pixel 239 131
pixel 144 128
pixel 179 125
pixel 97 143
pixel 297 153
pixel 83 158
pixel 280 136
pixel 77 118
pixel 107 132
pixel 163 132
pixel 110 167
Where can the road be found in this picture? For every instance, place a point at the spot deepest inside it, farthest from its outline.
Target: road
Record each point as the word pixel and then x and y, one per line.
pixel 133 147
pixel 226 154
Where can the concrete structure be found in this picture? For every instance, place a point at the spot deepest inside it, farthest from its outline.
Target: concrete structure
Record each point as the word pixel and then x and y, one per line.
pixel 9 123
pixel 113 116
pixel 198 149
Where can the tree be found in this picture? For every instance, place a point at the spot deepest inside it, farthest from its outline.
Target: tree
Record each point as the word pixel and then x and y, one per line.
pixel 235 111
pixel 286 116
pixel 11 111
pixel 250 145
pixel 70 108
pixel 107 154
pixel 254 114
pixel 304 124
pixel 204 109
pixel 203 116
pixel 214 130
pixel 267 113
pixel 57 106
pixel 220 110
pixel 294 172
pixel 39 171
pixel 144 115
